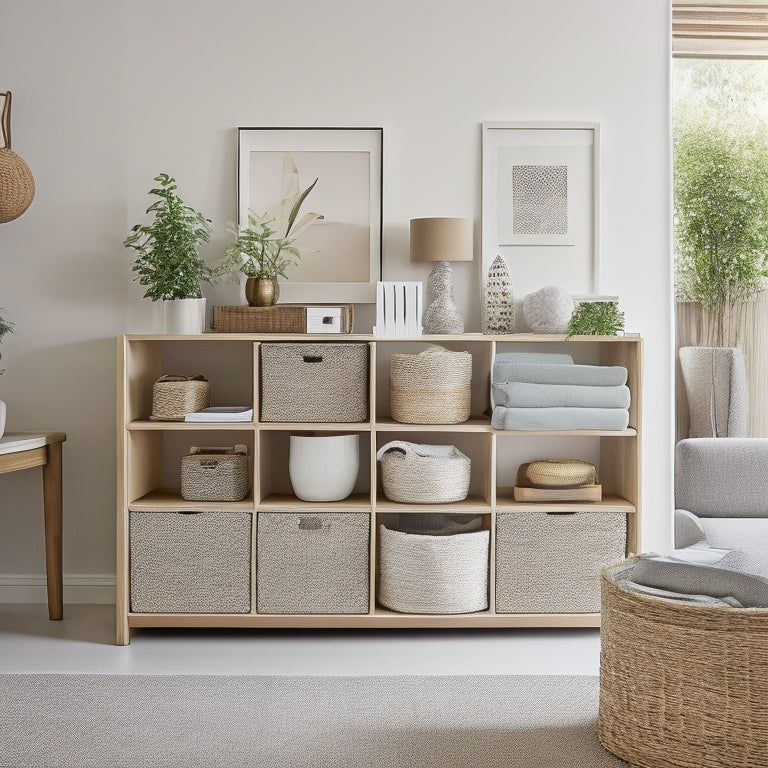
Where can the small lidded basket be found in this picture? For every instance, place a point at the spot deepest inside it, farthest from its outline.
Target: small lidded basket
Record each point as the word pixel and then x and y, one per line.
pixel 173 397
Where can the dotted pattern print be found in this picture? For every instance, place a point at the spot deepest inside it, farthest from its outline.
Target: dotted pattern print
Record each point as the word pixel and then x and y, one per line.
pixel 540 199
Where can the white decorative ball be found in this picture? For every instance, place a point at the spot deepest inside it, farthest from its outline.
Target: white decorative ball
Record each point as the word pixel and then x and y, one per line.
pixel 548 310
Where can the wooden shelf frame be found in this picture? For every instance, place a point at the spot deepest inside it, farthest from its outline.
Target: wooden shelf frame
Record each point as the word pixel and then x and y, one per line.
pixel 148 451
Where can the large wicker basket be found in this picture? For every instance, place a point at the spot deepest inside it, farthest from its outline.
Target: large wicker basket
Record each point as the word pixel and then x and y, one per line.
pixel 681 685
pixel 433 574
pixel 423 474
pixel 432 387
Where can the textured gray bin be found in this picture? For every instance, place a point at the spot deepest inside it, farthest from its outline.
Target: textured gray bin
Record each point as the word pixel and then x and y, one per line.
pixel 190 562
pixel 550 563
pixel 312 563
pixel 321 382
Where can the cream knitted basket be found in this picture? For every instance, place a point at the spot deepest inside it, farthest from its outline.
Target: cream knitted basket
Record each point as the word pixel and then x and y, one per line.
pixel 432 387
pixel 423 474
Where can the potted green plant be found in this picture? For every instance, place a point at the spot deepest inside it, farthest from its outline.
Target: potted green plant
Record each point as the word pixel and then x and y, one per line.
pixel 596 318
pixel 264 249
pixel 168 262
pixel 5 327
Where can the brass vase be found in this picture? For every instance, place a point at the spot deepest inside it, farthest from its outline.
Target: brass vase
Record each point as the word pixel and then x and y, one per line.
pixel 262 291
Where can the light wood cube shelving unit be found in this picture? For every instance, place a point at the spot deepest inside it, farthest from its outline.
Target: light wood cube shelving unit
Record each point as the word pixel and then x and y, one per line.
pixel 149 454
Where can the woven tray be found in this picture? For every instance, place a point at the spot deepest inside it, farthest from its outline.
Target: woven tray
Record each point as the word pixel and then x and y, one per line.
pixel 281 318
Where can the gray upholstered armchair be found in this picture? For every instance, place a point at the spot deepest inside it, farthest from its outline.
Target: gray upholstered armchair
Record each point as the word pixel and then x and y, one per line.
pixel 721 501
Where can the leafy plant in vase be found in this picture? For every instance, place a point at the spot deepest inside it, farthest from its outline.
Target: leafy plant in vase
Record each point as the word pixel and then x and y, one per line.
pixel 260 251
pixel 5 327
pixel 168 260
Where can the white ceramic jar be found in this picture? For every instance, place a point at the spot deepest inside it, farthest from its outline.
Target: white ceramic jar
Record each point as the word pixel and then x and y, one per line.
pixel 324 468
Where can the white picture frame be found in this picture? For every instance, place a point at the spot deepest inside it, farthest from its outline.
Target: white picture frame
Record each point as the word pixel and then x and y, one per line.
pixel 341 253
pixel 555 240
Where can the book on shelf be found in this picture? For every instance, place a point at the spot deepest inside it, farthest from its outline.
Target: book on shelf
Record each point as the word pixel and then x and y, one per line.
pixel 222 413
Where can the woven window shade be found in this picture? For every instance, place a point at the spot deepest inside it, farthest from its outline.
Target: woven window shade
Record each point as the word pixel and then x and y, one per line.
pixel 724 30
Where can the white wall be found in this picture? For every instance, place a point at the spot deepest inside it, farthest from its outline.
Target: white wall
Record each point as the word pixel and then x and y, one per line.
pixel 106 94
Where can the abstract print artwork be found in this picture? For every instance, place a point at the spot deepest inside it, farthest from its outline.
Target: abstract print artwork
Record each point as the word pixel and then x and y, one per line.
pixel 540 199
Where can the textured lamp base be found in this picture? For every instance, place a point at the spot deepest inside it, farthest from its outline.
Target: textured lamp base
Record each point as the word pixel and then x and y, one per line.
pixel 442 315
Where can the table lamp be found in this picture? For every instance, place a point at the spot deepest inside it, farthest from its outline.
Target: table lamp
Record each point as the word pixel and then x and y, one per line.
pixel 442 240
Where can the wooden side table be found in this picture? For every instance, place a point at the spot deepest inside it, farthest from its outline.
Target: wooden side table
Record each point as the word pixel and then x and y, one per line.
pixel 24 450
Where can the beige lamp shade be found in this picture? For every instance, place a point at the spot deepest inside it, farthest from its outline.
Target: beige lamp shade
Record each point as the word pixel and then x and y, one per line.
pixel 441 239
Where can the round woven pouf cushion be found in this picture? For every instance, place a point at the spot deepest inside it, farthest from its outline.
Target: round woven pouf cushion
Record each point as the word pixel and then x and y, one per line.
pixel 548 310
pixel 17 186
pixel 681 685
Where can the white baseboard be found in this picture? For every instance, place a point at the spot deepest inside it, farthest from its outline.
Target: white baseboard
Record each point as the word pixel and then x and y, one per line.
pixel 78 588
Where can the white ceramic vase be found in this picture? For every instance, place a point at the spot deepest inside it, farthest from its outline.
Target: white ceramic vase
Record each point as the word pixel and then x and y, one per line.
pixel 324 468
pixel 2 418
pixel 184 316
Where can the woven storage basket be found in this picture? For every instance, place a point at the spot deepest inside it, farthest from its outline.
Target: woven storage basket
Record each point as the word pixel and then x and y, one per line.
pixel 681 685
pixel 190 562
pixel 432 387
pixel 322 382
pixel 312 563
pixel 215 474
pixel 433 574
pixel 423 474
pixel 556 473
pixel 17 185
pixel 173 397
pixel 550 563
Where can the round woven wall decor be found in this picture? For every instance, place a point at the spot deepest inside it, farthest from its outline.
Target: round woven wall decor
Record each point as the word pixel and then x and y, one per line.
pixel 17 186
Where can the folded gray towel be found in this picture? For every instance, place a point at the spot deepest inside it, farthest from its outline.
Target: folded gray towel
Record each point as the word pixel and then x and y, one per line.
pixel 516 394
pixel 546 373
pixel 559 418
pixel 556 358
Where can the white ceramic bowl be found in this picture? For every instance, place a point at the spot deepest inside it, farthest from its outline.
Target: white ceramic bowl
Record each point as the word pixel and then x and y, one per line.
pixel 324 468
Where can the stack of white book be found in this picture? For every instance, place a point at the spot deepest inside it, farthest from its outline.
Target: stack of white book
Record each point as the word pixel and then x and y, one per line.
pixel 222 413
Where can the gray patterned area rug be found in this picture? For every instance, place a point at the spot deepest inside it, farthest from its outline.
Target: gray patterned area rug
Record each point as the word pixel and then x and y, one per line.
pixel 213 721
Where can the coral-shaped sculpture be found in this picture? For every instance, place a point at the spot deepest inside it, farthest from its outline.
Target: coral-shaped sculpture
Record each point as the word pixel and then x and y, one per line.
pixel 498 300
pixel 548 310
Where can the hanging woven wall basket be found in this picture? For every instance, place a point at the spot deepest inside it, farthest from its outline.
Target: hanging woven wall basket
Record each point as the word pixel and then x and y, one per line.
pixel 17 187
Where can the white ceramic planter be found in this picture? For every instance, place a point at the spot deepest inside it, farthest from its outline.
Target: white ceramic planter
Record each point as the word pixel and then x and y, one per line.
pixel 184 316
pixel 324 468
pixel 2 418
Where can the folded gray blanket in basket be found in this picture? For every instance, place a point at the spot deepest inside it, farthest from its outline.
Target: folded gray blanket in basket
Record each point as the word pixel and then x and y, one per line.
pixel 559 418
pixel 559 373
pixel 518 394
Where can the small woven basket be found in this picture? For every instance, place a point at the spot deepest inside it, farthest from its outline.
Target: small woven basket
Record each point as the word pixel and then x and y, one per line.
pixel 681 684
pixel 556 473
pixel 173 397
pixel 215 474
pixel 432 387
pixel 17 185
pixel 433 574
pixel 423 474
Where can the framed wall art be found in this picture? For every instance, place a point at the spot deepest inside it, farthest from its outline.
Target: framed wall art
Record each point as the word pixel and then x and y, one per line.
pixel 342 168
pixel 540 204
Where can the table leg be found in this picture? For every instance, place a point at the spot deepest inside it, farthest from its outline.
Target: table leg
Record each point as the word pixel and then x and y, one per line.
pixel 52 508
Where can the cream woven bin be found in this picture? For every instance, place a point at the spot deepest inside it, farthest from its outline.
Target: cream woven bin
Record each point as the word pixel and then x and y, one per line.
pixel 312 563
pixel 432 387
pixel 433 574
pixel 550 563
pixel 215 474
pixel 190 562
pixel 173 397
pixel 323 382
pixel 412 473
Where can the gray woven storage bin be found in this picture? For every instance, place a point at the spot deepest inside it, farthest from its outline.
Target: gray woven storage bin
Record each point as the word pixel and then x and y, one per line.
pixel 550 563
pixel 433 574
pixel 215 474
pixel 312 563
pixel 321 382
pixel 190 563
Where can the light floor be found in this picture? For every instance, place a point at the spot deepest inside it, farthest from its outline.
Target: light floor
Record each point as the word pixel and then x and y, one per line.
pixel 83 642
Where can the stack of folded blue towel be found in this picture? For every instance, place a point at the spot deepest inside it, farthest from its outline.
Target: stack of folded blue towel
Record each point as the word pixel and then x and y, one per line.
pixel 547 391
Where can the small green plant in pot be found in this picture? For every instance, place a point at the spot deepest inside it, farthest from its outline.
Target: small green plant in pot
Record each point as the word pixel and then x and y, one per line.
pixel 5 327
pixel 596 318
pixel 264 249
pixel 168 262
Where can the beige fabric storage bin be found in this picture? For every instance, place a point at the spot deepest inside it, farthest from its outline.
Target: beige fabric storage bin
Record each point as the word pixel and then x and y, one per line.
pixel 550 563
pixel 433 574
pixel 215 474
pixel 316 562
pixel 196 562
pixel 321 382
